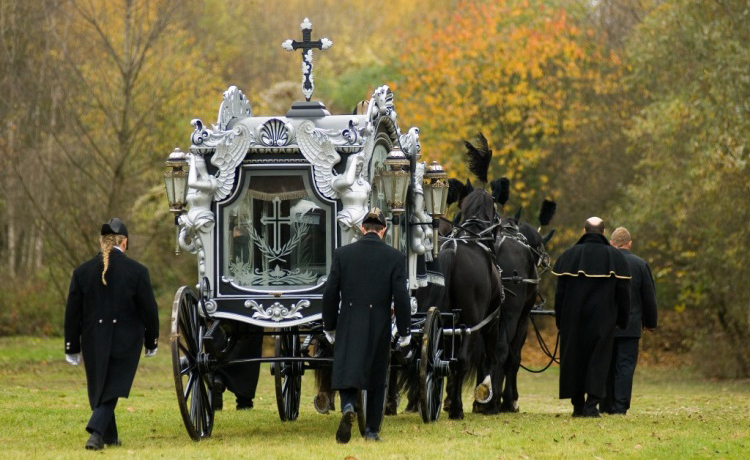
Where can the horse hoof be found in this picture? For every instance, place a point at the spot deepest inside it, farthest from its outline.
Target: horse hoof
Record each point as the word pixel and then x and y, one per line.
pixel 483 393
pixel 477 408
pixel 458 416
pixel 412 407
pixel 322 403
pixel 390 409
pixel 447 404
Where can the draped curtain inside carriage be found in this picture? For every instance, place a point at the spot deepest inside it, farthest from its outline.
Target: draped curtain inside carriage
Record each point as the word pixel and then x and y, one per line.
pixel 277 234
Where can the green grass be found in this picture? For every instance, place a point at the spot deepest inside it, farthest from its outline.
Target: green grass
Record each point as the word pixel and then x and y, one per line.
pixel 43 412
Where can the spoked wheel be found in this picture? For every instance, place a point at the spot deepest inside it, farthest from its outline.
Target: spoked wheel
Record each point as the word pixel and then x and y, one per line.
pixel 190 365
pixel 432 368
pixel 288 375
pixel 362 403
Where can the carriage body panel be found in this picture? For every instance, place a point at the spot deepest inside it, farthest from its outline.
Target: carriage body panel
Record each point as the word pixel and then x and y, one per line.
pixel 277 209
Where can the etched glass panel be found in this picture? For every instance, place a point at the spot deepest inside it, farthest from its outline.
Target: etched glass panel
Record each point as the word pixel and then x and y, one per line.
pixel 276 234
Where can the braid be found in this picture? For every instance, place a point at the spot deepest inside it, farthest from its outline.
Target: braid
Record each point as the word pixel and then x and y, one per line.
pixel 107 242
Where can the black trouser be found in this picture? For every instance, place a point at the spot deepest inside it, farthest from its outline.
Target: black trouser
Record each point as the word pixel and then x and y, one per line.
pixel 242 379
pixel 620 377
pixel 375 404
pixel 103 421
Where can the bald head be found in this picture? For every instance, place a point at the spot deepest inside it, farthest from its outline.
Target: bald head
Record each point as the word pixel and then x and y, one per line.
pixel 594 225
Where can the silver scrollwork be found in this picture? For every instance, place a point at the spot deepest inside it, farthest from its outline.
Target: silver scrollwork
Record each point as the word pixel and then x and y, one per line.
pixel 277 312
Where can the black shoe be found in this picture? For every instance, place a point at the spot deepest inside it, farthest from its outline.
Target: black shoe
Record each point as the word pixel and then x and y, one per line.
pixel 115 443
pixel 95 442
pixel 578 411
pixel 371 436
pixel 344 433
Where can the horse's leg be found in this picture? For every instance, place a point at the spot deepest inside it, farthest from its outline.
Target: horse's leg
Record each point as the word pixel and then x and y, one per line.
pixel 456 410
pixel 324 399
pixel 448 392
pixel 391 401
pixel 491 369
pixel 510 394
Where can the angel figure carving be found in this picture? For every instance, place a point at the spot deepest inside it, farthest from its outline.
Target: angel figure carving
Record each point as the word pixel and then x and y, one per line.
pixel 203 188
pixel 351 186
pixel 355 197
pixel 422 239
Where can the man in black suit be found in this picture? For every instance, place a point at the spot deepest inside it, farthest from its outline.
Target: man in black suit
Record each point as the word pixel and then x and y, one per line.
pixel 366 277
pixel 592 295
pixel 642 316
pixel 110 314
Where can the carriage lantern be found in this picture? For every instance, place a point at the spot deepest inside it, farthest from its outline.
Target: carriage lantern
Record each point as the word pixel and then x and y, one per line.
pixel 175 179
pixel 394 180
pixel 435 186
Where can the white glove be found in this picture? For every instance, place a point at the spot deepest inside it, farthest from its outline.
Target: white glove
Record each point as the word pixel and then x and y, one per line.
pixel 404 341
pixel 330 336
pixel 73 359
pixel 151 353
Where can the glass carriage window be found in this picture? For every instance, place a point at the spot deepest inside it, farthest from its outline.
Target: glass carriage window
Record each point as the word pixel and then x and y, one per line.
pixel 277 233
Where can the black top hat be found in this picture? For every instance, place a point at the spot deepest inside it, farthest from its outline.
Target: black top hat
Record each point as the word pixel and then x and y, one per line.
pixel 375 216
pixel 114 227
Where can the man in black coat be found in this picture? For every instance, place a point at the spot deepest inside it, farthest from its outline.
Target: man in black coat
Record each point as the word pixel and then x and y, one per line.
pixel 642 316
pixel 111 312
pixel 366 277
pixel 592 295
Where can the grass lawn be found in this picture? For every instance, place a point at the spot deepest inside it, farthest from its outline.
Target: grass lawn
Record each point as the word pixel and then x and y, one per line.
pixel 675 415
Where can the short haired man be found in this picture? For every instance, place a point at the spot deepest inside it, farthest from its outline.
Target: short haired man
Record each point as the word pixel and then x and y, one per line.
pixel 111 314
pixel 592 295
pixel 366 277
pixel 642 316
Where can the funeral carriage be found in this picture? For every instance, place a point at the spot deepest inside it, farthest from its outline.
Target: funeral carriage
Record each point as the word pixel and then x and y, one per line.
pixel 263 201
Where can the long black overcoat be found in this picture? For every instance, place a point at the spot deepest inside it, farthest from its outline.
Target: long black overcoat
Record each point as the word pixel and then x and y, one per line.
pixel 366 276
pixel 109 324
pixel 642 297
pixel 592 296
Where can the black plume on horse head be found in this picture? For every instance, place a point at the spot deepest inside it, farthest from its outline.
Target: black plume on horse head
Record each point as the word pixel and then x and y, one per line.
pixel 479 157
pixel 500 190
pixel 547 212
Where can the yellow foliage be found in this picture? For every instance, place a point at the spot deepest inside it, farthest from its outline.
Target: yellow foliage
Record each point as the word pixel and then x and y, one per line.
pixel 510 69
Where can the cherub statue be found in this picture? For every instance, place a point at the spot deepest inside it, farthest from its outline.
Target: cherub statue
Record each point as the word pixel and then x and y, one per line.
pixel 355 196
pixel 422 238
pixel 351 186
pixel 203 188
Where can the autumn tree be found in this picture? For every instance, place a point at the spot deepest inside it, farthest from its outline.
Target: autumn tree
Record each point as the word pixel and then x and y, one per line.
pixel 518 71
pixel 689 203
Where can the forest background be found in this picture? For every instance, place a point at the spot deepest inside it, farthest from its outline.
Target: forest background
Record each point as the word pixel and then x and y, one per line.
pixel 637 111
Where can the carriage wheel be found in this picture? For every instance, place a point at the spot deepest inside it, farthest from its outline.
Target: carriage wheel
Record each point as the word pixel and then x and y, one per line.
pixel 432 369
pixel 190 365
pixel 362 403
pixel 288 375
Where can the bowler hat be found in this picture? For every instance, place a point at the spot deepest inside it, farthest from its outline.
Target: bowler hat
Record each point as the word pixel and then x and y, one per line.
pixel 114 227
pixel 375 216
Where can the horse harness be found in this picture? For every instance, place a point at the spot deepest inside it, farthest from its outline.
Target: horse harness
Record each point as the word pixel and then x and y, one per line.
pixel 461 234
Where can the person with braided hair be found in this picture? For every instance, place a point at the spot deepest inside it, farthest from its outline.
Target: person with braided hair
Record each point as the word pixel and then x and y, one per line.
pixel 111 313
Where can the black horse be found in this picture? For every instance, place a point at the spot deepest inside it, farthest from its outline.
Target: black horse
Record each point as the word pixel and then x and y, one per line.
pixel 517 261
pixel 473 287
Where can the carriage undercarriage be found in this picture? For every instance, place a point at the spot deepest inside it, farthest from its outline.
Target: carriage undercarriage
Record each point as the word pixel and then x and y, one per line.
pixel 196 360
